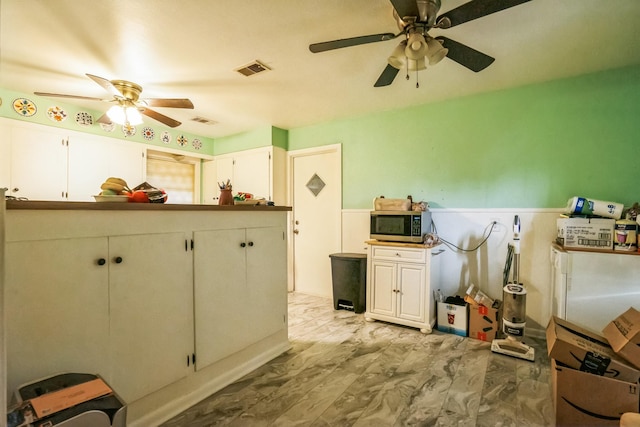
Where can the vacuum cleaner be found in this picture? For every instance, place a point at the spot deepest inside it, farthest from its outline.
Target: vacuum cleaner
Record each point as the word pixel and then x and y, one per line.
pixel 514 296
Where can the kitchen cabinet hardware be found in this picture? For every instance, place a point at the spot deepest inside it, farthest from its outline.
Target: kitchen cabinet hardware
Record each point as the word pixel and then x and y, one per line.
pixel 250 243
pixel 101 261
pixel 243 244
pixel 118 260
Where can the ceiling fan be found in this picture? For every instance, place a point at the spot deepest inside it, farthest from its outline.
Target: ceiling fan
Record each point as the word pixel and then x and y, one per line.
pixel 126 96
pixel 415 18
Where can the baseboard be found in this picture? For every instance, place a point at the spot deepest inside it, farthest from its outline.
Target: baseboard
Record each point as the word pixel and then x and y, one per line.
pixel 177 406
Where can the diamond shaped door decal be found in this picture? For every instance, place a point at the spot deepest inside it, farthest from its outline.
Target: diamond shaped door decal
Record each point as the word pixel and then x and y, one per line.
pixel 315 184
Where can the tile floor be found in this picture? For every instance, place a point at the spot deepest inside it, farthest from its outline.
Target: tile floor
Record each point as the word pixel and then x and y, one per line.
pixel 344 371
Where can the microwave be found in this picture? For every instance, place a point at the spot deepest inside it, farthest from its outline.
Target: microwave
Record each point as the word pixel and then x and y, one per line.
pixel 400 226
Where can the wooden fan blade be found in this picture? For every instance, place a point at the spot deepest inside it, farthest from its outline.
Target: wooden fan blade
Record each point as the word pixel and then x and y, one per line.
pixel 160 117
pixel 60 95
pixel 387 76
pixel 477 9
pixel 353 41
pixel 466 56
pixel 106 85
pixel 104 119
pixel 169 102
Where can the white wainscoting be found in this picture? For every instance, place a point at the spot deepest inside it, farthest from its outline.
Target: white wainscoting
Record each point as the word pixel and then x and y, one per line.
pixel 466 228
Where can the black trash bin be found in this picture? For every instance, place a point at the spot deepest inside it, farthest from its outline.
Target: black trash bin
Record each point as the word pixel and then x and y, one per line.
pixel 349 276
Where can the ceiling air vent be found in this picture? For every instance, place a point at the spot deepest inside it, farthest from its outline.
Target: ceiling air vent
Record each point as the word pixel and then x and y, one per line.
pixel 252 68
pixel 204 121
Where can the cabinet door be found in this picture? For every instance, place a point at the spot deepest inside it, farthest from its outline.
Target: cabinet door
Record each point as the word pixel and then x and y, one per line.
pixel 93 160
pixel 383 287
pixel 224 172
pixel 411 292
pixel 151 318
pixel 38 164
pixel 56 308
pixel 220 295
pixel 266 281
pixel 252 173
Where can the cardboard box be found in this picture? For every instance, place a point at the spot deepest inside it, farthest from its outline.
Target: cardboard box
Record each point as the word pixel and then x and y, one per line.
pixel 484 322
pixel 584 399
pixel 587 233
pixel 453 318
pixel 623 333
pixel 581 349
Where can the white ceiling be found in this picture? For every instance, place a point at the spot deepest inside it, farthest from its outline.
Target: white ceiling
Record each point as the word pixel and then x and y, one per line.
pixel 190 48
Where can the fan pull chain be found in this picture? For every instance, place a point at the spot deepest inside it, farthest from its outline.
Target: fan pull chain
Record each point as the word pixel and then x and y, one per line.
pixel 417 83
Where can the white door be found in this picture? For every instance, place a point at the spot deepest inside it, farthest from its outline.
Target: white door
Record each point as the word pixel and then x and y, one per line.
pixel 317 202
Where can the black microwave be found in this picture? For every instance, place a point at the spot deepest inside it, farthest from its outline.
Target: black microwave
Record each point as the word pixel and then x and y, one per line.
pixel 400 226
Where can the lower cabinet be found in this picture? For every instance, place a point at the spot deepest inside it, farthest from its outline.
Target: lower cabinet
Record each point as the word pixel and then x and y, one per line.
pixel 239 279
pixel 101 305
pixel 101 291
pixel 400 285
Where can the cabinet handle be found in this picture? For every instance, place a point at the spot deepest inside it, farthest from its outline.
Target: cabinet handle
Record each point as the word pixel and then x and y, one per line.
pixel 118 260
pixel 101 261
pixel 397 254
pixel 243 244
pixel 250 243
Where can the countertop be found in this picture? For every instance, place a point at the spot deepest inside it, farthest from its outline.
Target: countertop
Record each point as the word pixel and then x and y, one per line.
pixel 402 244
pixel 46 205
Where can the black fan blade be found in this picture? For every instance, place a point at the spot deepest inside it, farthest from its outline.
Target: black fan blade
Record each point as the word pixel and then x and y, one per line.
pixel 387 76
pixel 466 56
pixel 169 102
pixel 477 9
pixel 160 117
pixel 353 41
pixel 406 8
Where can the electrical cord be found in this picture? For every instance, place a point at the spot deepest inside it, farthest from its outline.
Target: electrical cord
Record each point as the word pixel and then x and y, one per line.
pixel 491 226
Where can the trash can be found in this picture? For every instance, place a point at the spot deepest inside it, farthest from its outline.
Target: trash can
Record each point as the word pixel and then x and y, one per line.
pixel 349 276
pixel 63 403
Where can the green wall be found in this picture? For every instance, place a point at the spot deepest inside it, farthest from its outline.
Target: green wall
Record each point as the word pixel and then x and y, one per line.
pixel 41 117
pixel 262 137
pixel 531 147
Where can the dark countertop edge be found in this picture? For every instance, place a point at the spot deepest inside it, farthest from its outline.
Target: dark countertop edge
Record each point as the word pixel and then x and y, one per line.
pixel 96 206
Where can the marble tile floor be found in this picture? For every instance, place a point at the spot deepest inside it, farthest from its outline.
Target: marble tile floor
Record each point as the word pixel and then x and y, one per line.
pixel 345 371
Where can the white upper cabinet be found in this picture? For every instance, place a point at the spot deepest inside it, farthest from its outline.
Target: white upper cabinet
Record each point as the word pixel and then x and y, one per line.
pixel 259 171
pixel 44 163
pixel 38 164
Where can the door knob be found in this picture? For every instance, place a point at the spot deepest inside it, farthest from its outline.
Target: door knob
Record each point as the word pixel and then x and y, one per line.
pixel 15 190
pixel 296 231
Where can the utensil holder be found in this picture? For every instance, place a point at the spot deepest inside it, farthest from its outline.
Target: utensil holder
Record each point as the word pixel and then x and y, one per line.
pixel 226 198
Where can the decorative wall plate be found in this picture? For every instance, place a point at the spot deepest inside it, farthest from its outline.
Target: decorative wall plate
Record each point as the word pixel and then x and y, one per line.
pixel 108 127
pixel 197 144
pixel 128 130
pixel 84 119
pixel 148 133
pixel 57 114
pixel 25 107
pixel 165 137
pixel 182 140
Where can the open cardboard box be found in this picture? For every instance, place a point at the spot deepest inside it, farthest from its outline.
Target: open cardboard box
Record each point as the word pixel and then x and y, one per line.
pixel 584 399
pixel 484 322
pixel 581 349
pixel 623 333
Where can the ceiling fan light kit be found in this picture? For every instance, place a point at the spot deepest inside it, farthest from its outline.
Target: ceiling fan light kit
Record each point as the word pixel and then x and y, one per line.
pixel 122 115
pixel 415 18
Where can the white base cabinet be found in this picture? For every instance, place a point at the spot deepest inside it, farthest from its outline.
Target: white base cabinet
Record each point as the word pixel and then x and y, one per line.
pixel 168 306
pixel 400 283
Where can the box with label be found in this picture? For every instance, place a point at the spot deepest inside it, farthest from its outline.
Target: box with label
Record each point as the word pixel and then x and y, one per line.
pixel 586 233
pixel 581 349
pixel 584 399
pixel 452 318
pixel 484 322
pixel 623 333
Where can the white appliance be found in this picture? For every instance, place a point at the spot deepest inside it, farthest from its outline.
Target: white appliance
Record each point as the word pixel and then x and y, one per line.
pixel 591 289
